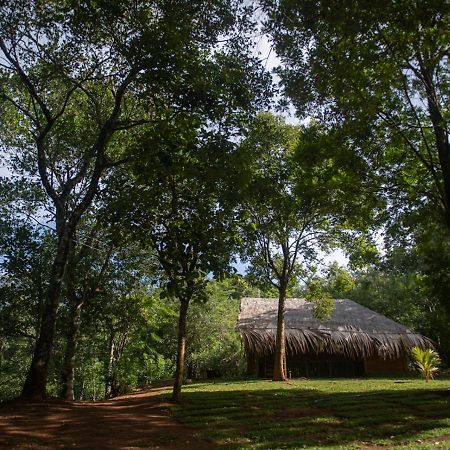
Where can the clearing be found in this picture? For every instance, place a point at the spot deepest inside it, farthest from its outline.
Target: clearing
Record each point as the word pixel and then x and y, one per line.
pixel 400 413
pixel 372 413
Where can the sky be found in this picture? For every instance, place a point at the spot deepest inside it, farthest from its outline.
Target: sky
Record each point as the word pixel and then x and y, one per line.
pixel 4 172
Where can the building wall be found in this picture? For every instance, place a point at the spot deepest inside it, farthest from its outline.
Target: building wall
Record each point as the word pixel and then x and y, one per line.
pixel 252 365
pixel 324 365
pixel 309 365
pixel 378 365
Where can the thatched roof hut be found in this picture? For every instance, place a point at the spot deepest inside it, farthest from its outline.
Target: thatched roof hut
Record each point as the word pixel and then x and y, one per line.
pixel 353 331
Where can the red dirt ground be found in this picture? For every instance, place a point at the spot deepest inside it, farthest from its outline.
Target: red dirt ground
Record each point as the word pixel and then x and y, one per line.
pixel 136 421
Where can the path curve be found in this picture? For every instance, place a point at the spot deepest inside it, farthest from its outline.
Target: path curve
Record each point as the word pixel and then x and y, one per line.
pixel 136 421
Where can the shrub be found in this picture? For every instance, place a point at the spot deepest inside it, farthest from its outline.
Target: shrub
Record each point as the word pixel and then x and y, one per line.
pixel 426 361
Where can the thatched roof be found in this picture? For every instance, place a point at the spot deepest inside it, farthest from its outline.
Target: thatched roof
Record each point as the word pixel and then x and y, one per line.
pixel 353 330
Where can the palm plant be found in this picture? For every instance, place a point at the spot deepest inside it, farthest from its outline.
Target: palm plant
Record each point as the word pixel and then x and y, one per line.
pixel 427 361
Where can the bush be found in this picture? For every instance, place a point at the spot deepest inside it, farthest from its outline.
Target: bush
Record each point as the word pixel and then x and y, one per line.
pixel 426 361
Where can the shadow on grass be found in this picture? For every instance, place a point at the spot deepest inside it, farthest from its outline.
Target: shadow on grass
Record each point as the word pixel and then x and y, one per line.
pixel 296 417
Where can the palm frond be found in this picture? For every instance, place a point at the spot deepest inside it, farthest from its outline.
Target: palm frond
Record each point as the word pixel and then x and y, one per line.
pixel 427 362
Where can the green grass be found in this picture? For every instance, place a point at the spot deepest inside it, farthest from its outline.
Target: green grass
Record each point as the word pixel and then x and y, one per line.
pixel 401 413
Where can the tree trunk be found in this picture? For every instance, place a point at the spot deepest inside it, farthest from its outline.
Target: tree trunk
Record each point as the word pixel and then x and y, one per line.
pixel 176 395
pixel 68 372
pixel 440 134
pixel 279 365
pixel 110 371
pixel 83 383
pixel 36 380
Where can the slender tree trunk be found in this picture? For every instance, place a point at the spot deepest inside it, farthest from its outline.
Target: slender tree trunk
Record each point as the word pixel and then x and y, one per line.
pixel 110 371
pixel 68 372
pixel 36 380
pixel 176 395
pixel 39 306
pixel 279 365
pixel 83 383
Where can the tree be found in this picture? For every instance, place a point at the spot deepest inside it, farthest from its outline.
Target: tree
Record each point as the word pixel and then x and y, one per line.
pixel 380 69
pixel 339 281
pixel 185 179
pixel 119 320
pixel 184 220
pixel 84 278
pixel 25 257
pixel 139 341
pixel 76 78
pixel 182 206
pixel 213 344
pixel 295 204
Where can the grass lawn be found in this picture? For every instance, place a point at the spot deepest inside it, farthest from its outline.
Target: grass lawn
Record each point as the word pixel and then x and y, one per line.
pixel 373 413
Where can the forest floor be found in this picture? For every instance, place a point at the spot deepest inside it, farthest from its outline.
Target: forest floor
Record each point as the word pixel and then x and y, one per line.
pixel 137 421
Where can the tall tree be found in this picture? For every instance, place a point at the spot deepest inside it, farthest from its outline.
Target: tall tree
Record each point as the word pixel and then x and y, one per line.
pixel 380 69
pixel 25 258
pixel 184 220
pixel 89 259
pixel 185 181
pixel 25 255
pixel 76 77
pixel 295 204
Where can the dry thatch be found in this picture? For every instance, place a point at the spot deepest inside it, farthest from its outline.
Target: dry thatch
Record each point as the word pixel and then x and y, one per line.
pixel 353 330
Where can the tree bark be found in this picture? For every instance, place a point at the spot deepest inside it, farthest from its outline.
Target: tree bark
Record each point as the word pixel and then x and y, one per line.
pixel 109 388
pixel 36 380
pixel 441 137
pixel 179 373
pixel 279 365
pixel 68 372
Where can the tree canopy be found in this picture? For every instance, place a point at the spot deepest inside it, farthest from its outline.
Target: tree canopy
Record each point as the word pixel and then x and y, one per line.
pixel 379 70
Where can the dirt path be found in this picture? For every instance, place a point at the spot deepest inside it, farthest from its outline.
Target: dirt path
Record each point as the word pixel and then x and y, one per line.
pixel 138 421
